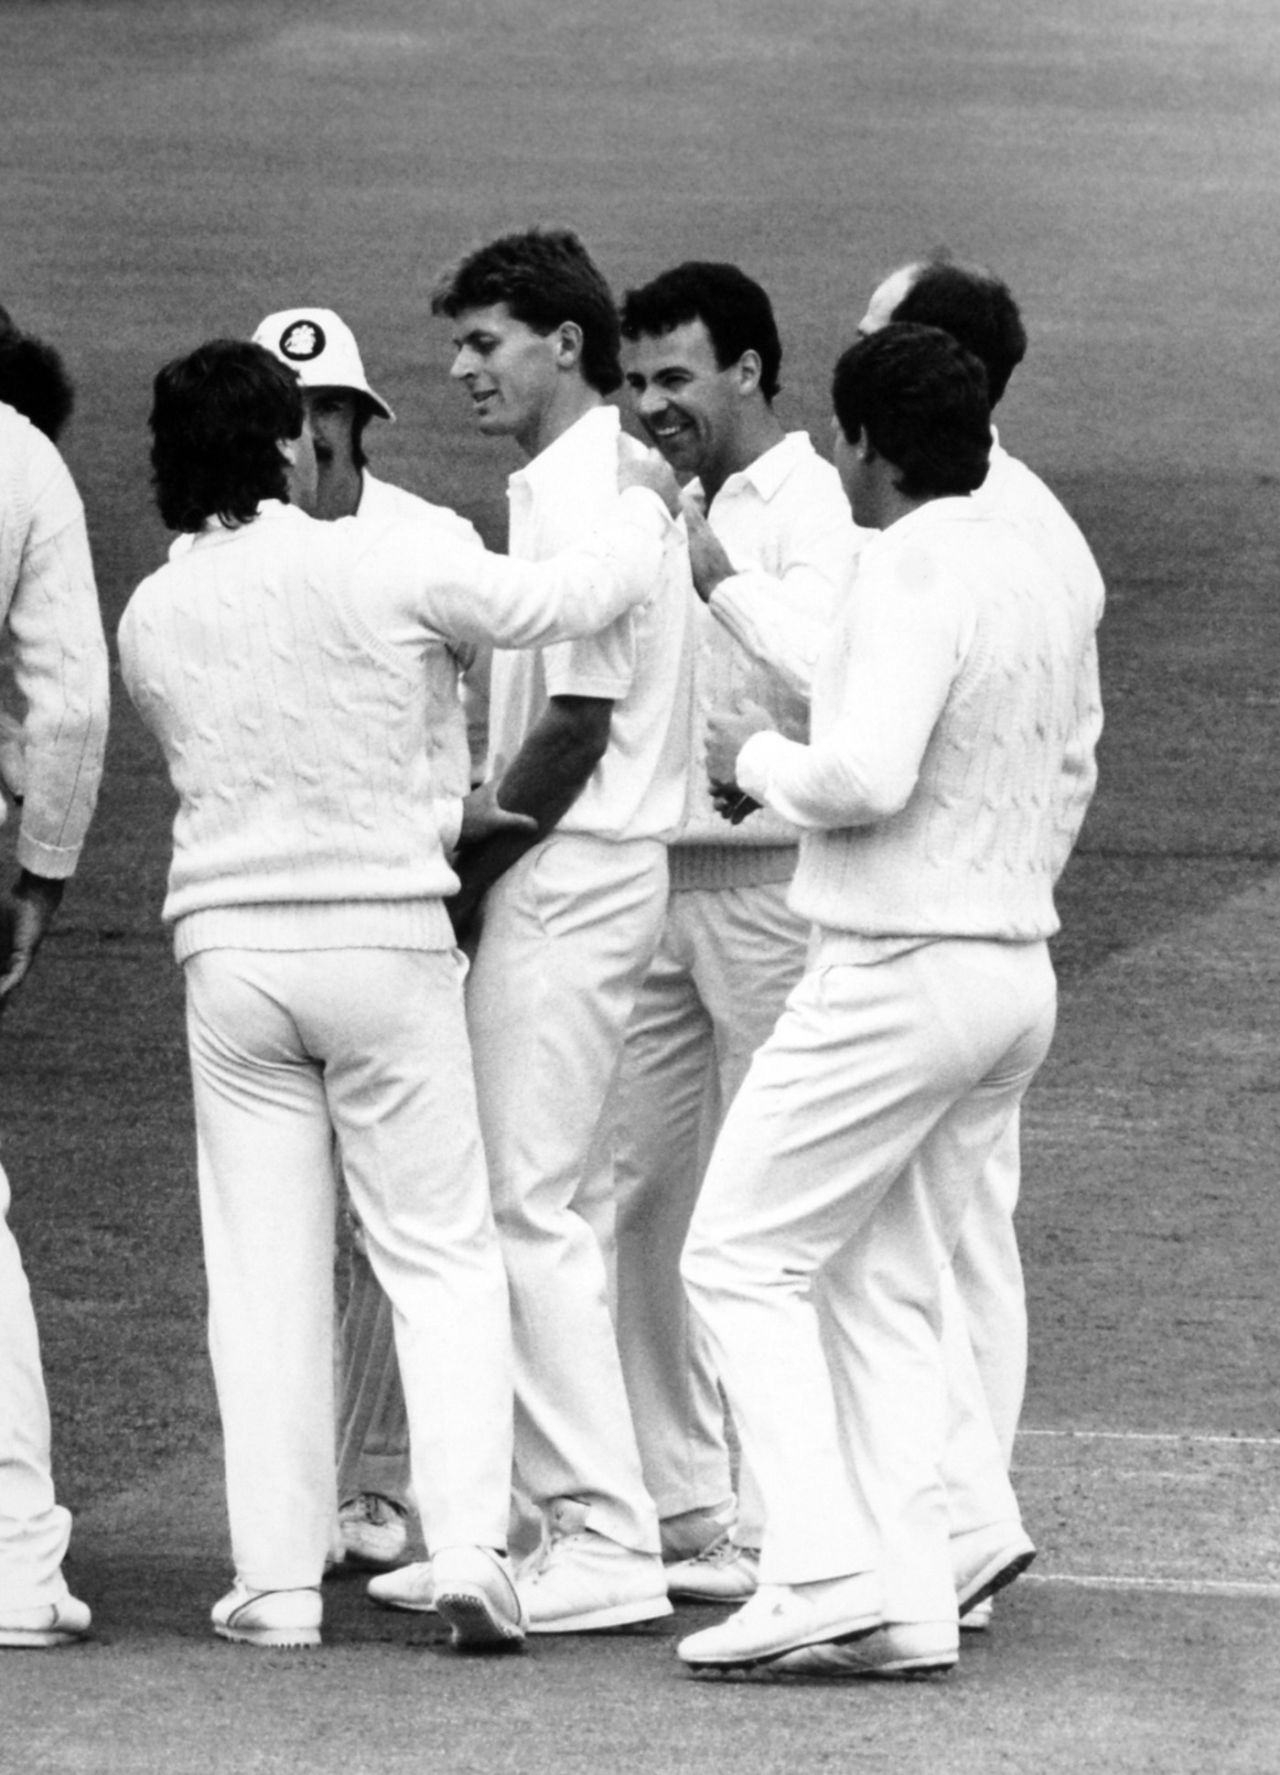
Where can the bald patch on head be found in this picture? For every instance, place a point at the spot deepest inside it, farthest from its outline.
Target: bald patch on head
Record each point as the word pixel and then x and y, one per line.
pixel 886 298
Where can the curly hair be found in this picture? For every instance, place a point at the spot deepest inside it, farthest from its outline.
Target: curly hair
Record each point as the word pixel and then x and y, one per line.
pixel 734 309
pixel 921 399
pixel 217 419
pixel 545 276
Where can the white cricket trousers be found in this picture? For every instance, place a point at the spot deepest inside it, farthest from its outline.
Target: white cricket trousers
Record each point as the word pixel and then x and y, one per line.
pixel 34 1529
pixel 726 963
pixel 373 1426
pixel 834 1196
pixel 989 1296
pixel 371 1044
pixel 567 938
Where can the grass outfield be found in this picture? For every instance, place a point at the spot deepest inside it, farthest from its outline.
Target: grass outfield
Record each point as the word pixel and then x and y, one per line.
pixel 169 172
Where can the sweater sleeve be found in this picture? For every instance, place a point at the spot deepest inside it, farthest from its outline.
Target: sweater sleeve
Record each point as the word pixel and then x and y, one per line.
pixel 57 660
pixel 472 595
pixel 899 647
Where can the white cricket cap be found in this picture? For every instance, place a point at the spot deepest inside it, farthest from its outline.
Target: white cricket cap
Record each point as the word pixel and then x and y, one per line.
pixel 321 347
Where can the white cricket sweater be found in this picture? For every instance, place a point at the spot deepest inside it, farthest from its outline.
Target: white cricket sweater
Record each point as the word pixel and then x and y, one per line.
pixel 53 656
pixel 301 678
pixel 939 796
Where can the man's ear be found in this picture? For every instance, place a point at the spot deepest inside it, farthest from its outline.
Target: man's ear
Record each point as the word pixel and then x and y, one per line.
pixel 568 344
pixel 866 450
pixel 288 448
pixel 749 371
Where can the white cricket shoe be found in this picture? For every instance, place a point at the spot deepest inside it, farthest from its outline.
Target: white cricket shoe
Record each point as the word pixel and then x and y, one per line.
pixel 984 1560
pixel 896 1649
pixel 475 1592
pixel 581 1581
pixel 722 1572
pixel 269 1617
pixel 978 1618
pixel 46 1625
pixel 693 1532
pixel 408 1587
pixel 374 1529
pixel 783 1617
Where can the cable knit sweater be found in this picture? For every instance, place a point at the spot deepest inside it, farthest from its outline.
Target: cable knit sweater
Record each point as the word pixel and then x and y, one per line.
pixel 301 678
pixel 53 655
pixel 939 796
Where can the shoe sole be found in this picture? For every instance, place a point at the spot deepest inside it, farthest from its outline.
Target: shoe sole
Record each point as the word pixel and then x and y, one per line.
pixel 919 1669
pixel 282 1638
pixel 33 1639
pixel 721 1666
pixel 476 1625
pixel 1004 1573
pixel 687 1593
pixel 623 1614
pixel 378 1562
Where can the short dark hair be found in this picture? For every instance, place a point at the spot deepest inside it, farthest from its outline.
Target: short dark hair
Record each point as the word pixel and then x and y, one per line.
pixel 734 309
pixel 217 419
pixel 34 380
pixel 921 399
pixel 545 276
pixel 975 307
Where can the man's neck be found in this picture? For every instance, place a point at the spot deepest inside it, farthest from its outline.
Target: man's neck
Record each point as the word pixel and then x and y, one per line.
pixel 572 400
pixel 758 432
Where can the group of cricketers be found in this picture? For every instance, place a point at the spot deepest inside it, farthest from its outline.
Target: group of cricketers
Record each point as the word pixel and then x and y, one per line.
pixel 639 939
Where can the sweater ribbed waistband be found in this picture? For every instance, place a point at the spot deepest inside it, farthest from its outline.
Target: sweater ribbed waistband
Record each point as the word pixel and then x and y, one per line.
pixel 321 924
pixel 729 865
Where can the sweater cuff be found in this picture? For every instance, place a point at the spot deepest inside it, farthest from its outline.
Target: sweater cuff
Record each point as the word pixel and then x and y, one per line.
pixel 753 771
pixel 54 861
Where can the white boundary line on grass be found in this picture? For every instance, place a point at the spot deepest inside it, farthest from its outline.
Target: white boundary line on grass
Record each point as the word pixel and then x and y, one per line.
pixel 1183 1586
pixel 1154 1436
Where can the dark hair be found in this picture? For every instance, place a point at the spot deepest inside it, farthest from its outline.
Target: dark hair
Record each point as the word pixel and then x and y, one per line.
pixel 921 398
pixel 216 421
pixel 33 379
pixel 545 276
pixel 733 308
pixel 976 308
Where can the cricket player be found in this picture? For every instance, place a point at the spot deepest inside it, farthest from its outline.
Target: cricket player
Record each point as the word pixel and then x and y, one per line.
pixel 53 653
pixel 938 797
pixel 978 309
pixel 592 740
pixel 301 679
pixel 701 355
pixel 373 1429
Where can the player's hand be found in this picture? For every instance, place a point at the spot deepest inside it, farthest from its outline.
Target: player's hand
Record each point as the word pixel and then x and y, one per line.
pixel 649 470
pixel 731 803
pixel 709 562
pixel 483 816
pixel 728 731
pixel 30 913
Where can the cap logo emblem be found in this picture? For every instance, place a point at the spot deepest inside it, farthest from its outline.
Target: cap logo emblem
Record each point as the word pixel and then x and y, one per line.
pixel 302 341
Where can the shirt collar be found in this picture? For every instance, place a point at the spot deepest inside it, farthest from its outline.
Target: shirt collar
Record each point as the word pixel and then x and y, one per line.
pixel 597 430
pixel 769 470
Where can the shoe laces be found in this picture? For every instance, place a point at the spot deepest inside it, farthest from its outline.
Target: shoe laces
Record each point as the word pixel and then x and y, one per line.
pixel 373 1508
pixel 724 1550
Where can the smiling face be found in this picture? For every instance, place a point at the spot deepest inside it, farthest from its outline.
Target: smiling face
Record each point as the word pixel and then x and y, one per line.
pixel 510 371
pixel 691 409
